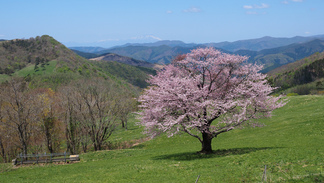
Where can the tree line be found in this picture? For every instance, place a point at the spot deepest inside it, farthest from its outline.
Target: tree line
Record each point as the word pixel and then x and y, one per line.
pixel 77 117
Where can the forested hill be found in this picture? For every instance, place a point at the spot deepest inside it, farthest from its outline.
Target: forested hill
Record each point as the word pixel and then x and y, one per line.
pixel 303 77
pixel 123 59
pixel 53 100
pixel 45 61
pixel 20 53
pixel 135 75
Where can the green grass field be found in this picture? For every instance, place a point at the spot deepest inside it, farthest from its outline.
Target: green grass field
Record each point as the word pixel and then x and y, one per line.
pixel 47 69
pixel 291 145
pixel 29 70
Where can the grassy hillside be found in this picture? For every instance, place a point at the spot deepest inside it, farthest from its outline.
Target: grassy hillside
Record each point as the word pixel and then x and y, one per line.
pixel 124 60
pixel 298 64
pixel 18 54
pixel 46 63
pixel 289 145
pixel 137 76
pixel 303 77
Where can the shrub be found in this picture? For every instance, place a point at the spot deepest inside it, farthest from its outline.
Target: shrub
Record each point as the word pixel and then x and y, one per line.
pixel 292 94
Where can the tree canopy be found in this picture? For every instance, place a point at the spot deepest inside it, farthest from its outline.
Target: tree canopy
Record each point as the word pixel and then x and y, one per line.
pixel 205 93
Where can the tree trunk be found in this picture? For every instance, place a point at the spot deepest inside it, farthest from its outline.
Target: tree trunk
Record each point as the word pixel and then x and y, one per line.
pixel 23 137
pixel 206 143
pixel 49 141
pixel 124 123
pixel 24 145
pixel 3 154
pixel 96 146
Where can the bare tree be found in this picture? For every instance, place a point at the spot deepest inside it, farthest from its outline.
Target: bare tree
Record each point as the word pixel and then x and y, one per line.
pixel 18 110
pixel 51 127
pixel 126 105
pixel 97 109
pixel 69 117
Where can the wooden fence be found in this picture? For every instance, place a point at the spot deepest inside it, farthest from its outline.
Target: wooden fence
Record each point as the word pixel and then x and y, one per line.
pixel 44 158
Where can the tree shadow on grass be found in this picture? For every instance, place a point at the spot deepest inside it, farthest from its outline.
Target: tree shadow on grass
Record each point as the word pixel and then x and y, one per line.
pixel 187 156
pixel 140 146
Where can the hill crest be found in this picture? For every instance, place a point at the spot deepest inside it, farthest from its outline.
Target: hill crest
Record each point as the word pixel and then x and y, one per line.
pixel 123 59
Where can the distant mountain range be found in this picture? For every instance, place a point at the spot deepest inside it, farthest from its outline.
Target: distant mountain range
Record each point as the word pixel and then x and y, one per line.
pixel 269 51
pixel 270 58
pixel 153 54
pixel 276 57
pixel 257 44
pixel 46 60
pixel 174 43
pixel 88 49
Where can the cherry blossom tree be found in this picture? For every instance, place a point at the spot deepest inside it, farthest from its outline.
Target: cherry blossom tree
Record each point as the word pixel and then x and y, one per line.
pixel 205 93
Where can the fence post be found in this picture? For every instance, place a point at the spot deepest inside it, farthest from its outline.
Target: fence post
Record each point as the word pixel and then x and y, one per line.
pixel 51 157
pixel 65 156
pixel 197 178
pixel 37 158
pixel 264 176
pixel 21 158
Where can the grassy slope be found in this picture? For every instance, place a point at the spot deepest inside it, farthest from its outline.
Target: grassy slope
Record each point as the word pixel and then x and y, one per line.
pixel 18 57
pixel 137 76
pixel 290 145
pixel 48 68
pixel 296 65
pixel 300 77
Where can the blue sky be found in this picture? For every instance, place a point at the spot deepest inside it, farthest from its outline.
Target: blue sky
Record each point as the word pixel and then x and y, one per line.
pixel 111 22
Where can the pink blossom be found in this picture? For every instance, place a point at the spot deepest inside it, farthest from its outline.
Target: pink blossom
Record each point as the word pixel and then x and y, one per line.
pixel 208 93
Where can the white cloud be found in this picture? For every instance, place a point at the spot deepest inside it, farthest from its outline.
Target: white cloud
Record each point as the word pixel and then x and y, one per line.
pixel 248 7
pixel 146 37
pixel 262 6
pixel 1 35
pixel 154 37
pixel 169 12
pixel 307 32
pixel 287 2
pixel 192 10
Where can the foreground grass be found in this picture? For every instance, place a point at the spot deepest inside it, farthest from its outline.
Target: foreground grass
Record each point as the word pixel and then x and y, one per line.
pixel 290 145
